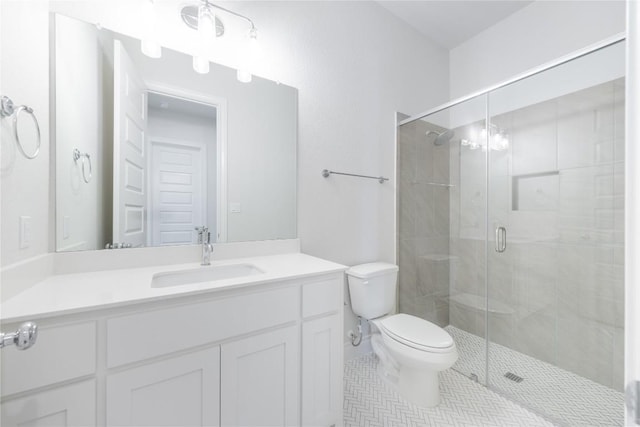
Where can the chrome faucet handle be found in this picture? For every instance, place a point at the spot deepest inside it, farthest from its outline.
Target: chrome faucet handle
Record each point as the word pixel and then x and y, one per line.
pixel 202 230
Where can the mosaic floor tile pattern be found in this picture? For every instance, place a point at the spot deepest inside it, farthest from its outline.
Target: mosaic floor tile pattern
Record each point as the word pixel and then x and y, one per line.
pixel 561 395
pixel 369 402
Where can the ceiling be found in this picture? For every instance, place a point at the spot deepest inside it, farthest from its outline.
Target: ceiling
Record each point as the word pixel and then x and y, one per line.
pixel 180 105
pixel 451 22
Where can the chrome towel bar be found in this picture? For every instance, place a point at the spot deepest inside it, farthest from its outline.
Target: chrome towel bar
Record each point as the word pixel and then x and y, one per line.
pixel 327 172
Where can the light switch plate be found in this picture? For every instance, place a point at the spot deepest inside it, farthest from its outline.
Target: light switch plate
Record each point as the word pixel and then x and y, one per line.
pixel 25 232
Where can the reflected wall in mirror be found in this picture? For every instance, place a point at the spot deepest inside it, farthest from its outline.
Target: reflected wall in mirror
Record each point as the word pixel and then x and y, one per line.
pixel 146 149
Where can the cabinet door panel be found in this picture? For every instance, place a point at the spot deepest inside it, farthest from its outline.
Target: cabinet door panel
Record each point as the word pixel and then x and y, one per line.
pixel 260 380
pixel 73 405
pixel 184 391
pixel 322 372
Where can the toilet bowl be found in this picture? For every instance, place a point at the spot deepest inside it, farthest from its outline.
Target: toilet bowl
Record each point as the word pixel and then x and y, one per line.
pixel 411 350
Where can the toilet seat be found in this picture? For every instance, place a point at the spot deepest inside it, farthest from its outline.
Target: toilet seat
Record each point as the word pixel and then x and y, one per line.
pixel 416 333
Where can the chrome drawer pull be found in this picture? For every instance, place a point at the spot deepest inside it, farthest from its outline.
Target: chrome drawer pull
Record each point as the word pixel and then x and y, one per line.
pixel 23 338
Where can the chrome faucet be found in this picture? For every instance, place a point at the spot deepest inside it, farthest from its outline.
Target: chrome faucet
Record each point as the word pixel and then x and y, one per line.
pixel 204 237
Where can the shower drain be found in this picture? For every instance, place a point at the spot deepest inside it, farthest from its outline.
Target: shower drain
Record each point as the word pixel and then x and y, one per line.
pixel 513 377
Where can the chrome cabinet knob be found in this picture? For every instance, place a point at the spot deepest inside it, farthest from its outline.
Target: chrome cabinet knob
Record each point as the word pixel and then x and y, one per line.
pixel 23 338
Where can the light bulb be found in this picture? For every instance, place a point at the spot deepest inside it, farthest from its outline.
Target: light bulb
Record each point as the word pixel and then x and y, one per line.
pixel 151 48
pixel 201 64
pixel 249 55
pixel 206 23
pixel 505 142
pixel 206 34
pixel 149 44
pixel 244 76
pixel 496 142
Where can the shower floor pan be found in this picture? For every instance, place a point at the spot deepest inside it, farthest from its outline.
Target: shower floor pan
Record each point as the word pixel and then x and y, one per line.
pixel 560 395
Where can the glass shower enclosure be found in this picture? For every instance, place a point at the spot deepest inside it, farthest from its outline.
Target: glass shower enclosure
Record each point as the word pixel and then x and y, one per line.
pixel 511 235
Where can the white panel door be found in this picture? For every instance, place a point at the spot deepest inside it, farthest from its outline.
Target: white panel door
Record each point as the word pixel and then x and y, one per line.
pixel 260 380
pixel 322 372
pixel 178 192
pixel 183 391
pixel 129 164
pixel 73 405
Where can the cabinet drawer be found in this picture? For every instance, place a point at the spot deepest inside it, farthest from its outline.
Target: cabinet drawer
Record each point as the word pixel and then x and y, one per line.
pixel 322 296
pixel 143 335
pixel 61 353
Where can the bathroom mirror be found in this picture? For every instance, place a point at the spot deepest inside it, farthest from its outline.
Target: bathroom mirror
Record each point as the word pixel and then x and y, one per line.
pixel 147 149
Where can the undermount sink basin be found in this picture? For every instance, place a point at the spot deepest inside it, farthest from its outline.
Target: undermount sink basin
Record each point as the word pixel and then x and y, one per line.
pixel 203 274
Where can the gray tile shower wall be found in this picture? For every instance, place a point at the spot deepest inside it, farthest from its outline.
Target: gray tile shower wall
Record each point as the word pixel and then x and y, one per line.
pixel 423 226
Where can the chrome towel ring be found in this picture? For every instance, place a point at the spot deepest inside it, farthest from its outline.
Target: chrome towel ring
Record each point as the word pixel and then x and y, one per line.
pixel 77 155
pixel 8 109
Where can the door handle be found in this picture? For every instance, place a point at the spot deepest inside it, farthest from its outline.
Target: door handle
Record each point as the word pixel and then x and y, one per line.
pixel 23 338
pixel 501 239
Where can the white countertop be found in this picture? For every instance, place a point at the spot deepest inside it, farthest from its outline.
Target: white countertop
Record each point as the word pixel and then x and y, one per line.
pixel 79 292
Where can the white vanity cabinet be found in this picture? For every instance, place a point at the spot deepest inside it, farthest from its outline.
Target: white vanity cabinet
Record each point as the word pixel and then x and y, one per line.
pixel 263 355
pixel 322 353
pixel 260 379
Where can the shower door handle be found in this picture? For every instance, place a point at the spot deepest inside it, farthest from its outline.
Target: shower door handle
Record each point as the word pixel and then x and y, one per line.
pixel 501 239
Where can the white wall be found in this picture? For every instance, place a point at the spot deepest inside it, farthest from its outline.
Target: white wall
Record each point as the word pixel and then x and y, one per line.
pixel 538 33
pixel 24 76
pixel 355 65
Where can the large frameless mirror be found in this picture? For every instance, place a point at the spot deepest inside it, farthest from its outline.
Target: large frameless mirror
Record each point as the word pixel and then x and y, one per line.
pixel 146 149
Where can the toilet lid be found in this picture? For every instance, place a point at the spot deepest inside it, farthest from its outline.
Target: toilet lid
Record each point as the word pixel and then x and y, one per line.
pixel 417 333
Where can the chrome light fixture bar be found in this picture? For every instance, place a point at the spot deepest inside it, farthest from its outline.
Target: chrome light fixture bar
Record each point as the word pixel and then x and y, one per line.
pixel 189 16
pixel 192 16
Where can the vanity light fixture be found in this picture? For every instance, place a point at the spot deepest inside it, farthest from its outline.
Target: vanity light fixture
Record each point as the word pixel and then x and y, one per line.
pixel 202 18
pixel 498 139
pixel 206 35
pixel 149 44
pixel 244 75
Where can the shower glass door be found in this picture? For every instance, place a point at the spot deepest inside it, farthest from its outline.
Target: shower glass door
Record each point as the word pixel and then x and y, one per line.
pixel 441 226
pixel 555 280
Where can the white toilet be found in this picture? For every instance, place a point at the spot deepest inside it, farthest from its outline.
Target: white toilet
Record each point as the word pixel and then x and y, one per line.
pixel 411 350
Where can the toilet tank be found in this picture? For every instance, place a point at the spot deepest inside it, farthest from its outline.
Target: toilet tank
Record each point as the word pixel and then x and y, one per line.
pixel 372 288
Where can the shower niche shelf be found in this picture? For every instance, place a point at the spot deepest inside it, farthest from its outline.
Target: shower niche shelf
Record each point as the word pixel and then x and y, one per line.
pixel 535 191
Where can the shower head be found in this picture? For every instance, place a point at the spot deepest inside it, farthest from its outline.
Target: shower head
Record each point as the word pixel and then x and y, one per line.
pixel 441 137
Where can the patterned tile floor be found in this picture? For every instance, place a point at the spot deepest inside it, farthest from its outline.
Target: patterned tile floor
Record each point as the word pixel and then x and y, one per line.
pixel 368 401
pixel 561 395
